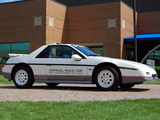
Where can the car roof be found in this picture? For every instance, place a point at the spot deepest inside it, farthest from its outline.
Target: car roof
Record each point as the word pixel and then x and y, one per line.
pixel 55 44
pixel 62 44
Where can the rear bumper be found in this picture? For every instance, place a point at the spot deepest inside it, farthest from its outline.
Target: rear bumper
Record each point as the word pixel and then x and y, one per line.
pixel 7 75
pixel 6 71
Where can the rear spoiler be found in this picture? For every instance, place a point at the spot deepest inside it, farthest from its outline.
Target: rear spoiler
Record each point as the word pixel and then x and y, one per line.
pixel 17 55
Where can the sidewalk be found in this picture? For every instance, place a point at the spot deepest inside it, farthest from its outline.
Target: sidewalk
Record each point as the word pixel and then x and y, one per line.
pixel 75 92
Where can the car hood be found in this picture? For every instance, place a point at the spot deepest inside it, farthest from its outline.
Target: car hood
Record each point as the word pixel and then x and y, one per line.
pixel 118 62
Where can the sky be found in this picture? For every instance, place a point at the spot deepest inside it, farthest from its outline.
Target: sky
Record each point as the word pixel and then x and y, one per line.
pixel 5 1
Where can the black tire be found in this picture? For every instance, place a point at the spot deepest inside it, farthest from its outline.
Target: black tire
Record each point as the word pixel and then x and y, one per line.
pixel 127 85
pixel 52 84
pixel 23 77
pixel 107 78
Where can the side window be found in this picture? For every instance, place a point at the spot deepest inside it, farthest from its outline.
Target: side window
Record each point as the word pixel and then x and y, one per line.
pixel 61 52
pixel 45 53
pixel 53 53
pixel 58 52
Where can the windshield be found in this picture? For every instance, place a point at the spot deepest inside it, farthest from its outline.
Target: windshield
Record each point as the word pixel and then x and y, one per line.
pixel 85 50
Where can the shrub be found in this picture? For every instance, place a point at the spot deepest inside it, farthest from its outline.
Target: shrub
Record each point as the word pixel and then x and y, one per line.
pixel 157 68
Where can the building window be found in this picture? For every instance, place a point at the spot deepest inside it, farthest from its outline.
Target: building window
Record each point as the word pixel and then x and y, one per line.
pixel 17 48
pixel 130 55
pixel 95 47
pixel 111 23
pixel 123 24
pixel 51 22
pixel 153 59
pixel 98 50
pixel 37 21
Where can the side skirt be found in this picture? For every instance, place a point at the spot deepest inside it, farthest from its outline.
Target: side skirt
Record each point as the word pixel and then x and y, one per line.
pixel 64 81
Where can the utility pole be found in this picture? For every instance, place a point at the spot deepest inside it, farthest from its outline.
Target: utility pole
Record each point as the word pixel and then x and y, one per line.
pixel 135 30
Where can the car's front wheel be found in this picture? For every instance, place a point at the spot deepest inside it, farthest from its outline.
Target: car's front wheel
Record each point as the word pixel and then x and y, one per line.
pixel 107 78
pixel 23 77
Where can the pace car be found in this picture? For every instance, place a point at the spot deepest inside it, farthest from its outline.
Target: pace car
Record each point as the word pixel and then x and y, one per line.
pixel 68 63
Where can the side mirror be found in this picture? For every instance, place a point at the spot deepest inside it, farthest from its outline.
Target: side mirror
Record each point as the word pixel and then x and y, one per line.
pixel 76 57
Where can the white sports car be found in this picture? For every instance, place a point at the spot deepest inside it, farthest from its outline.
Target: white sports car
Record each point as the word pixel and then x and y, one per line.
pixel 67 63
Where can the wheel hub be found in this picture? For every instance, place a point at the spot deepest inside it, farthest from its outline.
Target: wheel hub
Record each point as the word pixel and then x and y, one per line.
pixel 105 78
pixel 21 77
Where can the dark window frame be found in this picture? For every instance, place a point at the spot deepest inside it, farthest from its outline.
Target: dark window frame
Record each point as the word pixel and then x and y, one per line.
pixel 45 53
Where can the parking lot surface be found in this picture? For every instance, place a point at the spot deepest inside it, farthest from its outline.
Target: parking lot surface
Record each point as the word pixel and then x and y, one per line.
pixel 76 92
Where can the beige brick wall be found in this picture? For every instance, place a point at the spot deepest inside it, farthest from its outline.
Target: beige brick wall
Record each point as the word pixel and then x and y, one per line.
pixel 89 24
pixel 127 16
pixel 1 66
pixel 17 23
pixel 58 32
pixel 77 25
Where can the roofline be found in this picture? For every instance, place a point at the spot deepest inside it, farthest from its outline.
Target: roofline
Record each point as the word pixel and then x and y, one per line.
pixel 144 37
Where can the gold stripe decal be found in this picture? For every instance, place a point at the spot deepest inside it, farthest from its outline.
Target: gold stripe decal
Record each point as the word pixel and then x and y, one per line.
pixel 127 68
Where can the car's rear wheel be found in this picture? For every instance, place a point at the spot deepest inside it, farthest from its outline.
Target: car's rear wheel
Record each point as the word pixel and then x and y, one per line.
pixel 23 77
pixel 52 84
pixel 107 78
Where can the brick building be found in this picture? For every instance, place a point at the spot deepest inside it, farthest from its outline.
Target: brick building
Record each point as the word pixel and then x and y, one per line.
pixel 101 25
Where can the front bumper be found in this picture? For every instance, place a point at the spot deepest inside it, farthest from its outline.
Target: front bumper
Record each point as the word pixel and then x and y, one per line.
pixel 139 79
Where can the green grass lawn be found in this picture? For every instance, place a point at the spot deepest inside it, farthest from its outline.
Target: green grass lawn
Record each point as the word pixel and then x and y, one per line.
pixel 154 82
pixel 108 110
pixel 4 81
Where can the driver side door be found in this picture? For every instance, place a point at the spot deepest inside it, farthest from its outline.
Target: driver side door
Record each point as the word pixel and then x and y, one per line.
pixel 61 66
